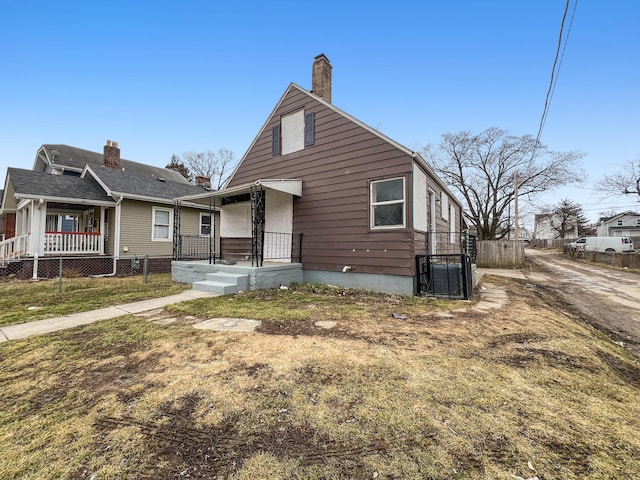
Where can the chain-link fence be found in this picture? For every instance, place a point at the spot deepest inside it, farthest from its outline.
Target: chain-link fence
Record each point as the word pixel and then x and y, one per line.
pixel 74 267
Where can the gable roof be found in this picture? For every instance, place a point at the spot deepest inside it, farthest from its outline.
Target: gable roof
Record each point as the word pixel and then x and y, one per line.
pixel 74 159
pixel 416 156
pixel 617 216
pixel 139 186
pixel 35 185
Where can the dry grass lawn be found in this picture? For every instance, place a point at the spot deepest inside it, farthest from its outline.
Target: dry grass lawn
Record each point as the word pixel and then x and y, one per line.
pixel 25 301
pixel 523 391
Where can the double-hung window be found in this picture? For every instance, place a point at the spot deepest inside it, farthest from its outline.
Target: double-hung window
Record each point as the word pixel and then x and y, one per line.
pixel 388 203
pixel 205 224
pixel 161 224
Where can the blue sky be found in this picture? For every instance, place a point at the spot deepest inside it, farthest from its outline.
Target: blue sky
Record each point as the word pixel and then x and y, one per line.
pixel 169 77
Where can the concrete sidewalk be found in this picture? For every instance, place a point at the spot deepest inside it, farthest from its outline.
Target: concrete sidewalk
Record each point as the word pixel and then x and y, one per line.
pixel 23 330
pixel 500 272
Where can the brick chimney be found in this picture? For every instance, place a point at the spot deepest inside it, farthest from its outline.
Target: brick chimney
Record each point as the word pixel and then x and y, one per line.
pixel 321 77
pixel 203 181
pixel 111 155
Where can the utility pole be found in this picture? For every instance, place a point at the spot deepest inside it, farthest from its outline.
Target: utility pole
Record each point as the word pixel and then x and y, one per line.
pixel 515 213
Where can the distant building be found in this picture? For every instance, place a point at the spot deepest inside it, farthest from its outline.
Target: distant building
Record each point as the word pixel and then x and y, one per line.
pixel 625 224
pixel 547 226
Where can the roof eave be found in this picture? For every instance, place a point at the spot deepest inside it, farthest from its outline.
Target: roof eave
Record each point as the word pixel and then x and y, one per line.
pixel 267 183
pixel 80 201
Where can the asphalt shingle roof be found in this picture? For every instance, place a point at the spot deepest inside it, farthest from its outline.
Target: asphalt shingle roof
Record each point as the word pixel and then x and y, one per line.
pixel 131 183
pixel 77 158
pixel 28 182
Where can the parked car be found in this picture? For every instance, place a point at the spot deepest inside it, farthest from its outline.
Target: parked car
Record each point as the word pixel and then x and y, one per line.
pixel 603 244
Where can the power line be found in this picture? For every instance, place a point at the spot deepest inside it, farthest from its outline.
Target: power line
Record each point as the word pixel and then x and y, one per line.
pixel 555 72
pixel 556 62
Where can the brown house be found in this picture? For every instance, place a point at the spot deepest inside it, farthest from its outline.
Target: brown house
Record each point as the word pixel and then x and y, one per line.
pixel 358 206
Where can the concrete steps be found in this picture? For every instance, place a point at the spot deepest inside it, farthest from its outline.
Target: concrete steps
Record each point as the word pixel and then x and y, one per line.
pixel 222 283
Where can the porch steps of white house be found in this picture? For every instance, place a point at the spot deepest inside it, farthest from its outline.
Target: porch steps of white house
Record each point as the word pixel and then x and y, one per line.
pixel 223 283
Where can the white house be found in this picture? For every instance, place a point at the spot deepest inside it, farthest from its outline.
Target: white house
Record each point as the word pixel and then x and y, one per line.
pixel 625 224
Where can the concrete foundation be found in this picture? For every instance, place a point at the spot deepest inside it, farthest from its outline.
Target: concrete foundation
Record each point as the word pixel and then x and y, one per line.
pixel 270 275
pixel 396 284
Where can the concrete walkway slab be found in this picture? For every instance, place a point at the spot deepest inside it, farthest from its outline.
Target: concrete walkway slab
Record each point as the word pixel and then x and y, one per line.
pixel 229 324
pixel 23 330
pixel 501 272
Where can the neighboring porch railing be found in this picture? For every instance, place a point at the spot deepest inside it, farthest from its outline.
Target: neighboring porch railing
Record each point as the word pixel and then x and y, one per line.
pixel 196 247
pixel 14 247
pixel 63 243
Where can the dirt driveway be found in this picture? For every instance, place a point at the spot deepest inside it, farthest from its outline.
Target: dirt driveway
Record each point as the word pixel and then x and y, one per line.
pixel 607 298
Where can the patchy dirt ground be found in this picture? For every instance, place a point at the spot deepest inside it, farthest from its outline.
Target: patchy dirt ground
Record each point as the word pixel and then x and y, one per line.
pixel 501 387
pixel 607 298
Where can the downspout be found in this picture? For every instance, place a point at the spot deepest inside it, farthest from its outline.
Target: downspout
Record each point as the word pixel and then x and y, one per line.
pixel 116 243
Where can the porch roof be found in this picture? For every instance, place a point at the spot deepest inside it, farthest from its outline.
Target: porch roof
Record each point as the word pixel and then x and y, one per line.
pixel 28 184
pixel 284 185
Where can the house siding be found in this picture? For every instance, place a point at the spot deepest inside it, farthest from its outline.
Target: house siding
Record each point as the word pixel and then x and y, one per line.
pixel 136 225
pixel 333 212
pixel 421 212
pixel 110 231
pixel 11 203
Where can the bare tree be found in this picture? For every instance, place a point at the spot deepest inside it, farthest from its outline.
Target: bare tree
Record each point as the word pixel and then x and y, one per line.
pixel 484 168
pixel 218 166
pixel 626 181
pixel 179 166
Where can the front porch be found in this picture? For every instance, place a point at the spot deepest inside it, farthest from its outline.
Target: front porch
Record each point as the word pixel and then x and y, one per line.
pixel 253 246
pixel 242 276
pixel 53 243
pixel 55 228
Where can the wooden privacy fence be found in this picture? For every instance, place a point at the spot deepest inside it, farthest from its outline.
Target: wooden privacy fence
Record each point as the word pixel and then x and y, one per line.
pixel 558 243
pixel 500 254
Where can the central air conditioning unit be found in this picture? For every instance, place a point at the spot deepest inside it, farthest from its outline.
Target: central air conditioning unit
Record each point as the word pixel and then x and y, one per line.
pixel 446 279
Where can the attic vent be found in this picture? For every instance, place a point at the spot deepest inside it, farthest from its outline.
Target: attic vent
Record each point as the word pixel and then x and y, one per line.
pixel 161 179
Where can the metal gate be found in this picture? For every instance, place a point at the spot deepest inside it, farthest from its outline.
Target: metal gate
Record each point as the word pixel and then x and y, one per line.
pixel 446 276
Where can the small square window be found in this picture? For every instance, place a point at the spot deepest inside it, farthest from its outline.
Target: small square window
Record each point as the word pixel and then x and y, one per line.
pixel 387 203
pixel 620 223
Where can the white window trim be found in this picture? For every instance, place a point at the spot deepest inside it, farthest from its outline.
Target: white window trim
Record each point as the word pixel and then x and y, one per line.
pixel 444 200
pixel 452 224
pixel 203 214
pixel 373 204
pixel 292 132
pixel 620 223
pixel 153 224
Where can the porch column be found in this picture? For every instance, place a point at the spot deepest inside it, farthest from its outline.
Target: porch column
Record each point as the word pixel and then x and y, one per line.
pixel 38 221
pixel 102 227
pixel 257 197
